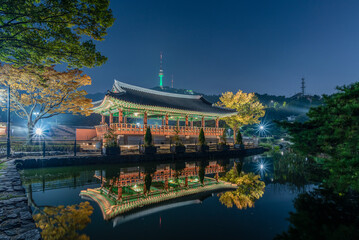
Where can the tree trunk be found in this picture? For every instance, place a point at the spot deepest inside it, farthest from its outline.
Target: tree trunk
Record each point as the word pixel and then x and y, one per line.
pixel 30 132
pixel 234 135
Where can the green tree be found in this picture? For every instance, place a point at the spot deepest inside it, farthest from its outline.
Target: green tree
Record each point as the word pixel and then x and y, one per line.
pixel 111 138
pixel 53 31
pixel 148 137
pixel 223 139
pixel 148 182
pixel 323 214
pixel 331 137
pixel 201 137
pixel 239 139
pixel 202 171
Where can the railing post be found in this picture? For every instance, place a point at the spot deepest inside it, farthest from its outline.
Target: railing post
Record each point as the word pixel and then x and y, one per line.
pixel 8 147
pixel 101 147
pixel 43 148
pixel 75 148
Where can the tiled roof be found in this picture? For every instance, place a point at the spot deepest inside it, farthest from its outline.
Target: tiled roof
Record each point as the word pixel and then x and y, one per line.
pixel 149 97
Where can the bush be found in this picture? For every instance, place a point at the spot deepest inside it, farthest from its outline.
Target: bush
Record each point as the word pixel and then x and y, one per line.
pixel 201 138
pixel 111 138
pixel 239 139
pixel 48 147
pixel 223 139
pixel 176 138
pixel 148 138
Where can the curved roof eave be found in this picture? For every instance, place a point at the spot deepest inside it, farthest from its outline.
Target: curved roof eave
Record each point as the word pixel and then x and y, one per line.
pixel 111 100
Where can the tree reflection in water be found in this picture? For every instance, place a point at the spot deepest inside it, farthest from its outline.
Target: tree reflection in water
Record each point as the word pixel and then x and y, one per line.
pixel 61 222
pixel 250 188
pixel 322 214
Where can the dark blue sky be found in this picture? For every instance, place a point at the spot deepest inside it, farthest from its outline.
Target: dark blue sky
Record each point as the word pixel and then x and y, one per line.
pixel 216 46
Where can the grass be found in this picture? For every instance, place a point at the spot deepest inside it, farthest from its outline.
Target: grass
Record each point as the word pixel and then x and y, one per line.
pixel 8 196
pixel 2 166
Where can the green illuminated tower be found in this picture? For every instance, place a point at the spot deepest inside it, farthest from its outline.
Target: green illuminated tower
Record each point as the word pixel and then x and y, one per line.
pixel 160 74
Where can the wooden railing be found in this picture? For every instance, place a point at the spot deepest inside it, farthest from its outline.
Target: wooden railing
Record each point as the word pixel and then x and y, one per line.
pixel 139 129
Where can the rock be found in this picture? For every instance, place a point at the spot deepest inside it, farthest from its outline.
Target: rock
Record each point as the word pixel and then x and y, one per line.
pixel 13 215
pixel 10 232
pixel 9 224
pixel 4 237
pixel 25 215
pixel 29 235
pixel 27 226
pixel 16 221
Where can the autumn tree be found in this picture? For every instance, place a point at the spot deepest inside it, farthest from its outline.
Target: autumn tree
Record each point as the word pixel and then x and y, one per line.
pixel 46 32
pixel 40 94
pixel 248 108
pixel 249 189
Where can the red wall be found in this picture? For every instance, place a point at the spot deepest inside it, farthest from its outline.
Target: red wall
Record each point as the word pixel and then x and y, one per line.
pixel 85 134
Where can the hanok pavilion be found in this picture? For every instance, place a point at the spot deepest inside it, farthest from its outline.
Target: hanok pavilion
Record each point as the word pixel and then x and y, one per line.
pixel 136 108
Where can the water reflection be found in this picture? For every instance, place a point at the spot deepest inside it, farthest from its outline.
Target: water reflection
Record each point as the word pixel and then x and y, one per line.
pixel 133 191
pixel 249 188
pixel 322 214
pixel 64 222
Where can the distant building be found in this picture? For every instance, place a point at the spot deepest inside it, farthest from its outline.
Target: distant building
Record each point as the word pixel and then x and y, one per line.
pixel 291 118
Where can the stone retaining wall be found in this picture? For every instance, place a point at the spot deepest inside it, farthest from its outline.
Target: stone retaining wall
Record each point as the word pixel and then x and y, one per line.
pixel 87 160
pixel 16 220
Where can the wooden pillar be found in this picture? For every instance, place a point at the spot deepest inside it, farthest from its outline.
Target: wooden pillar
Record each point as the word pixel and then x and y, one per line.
pixel 125 119
pixel 103 119
pixel 120 115
pixel 145 118
pixel 186 120
pixel 166 119
pixel 186 182
pixel 217 122
pixel 119 194
pixel 111 118
pixel 203 124
pixel 192 124
pixel 178 123
pixel 166 184
pixel 163 121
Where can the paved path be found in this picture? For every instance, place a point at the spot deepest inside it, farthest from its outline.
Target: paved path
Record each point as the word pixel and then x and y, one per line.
pixel 16 220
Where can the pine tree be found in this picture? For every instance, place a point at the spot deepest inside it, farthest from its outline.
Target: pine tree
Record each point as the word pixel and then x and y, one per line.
pixel 201 138
pixel 148 137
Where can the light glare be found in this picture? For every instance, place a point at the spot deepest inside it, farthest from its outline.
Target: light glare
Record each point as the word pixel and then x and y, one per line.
pixel 38 131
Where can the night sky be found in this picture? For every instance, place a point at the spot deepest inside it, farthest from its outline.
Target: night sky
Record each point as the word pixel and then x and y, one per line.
pixel 216 46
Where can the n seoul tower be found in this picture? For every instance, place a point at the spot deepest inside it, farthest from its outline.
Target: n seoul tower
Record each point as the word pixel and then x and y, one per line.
pixel 160 74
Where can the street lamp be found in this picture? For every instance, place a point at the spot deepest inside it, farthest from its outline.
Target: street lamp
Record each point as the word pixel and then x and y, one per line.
pixel 8 147
pixel 39 132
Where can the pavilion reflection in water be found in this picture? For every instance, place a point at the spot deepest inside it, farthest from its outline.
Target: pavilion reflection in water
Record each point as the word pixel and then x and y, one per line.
pixel 137 187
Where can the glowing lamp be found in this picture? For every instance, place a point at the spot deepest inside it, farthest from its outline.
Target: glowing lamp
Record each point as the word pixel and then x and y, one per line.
pixel 38 131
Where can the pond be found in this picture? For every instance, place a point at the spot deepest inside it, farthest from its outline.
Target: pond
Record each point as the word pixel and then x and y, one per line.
pixel 203 215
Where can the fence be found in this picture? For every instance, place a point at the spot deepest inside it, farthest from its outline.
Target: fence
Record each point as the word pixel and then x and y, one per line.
pixel 20 147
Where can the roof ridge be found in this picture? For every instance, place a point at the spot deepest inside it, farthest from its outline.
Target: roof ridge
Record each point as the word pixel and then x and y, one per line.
pixel 118 84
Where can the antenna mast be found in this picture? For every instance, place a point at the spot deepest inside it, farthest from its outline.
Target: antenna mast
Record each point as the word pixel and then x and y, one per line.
pixel 303 87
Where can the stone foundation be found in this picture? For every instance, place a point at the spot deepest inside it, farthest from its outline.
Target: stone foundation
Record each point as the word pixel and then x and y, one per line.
pixel 16 220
